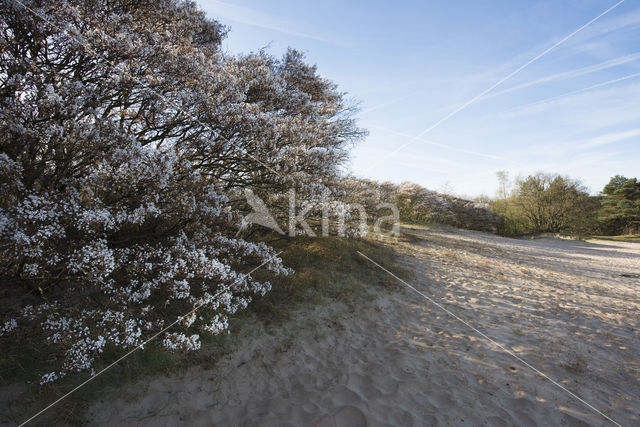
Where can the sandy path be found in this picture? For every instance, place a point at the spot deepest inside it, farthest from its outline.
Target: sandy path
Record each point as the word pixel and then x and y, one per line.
pixel 398 360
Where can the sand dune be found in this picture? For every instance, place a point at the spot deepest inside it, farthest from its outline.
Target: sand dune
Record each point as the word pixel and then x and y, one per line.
pixel 398 360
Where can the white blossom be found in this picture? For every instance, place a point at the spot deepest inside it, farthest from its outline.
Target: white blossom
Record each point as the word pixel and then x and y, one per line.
pixel 179 341
pixel 117 203
pixel 8 326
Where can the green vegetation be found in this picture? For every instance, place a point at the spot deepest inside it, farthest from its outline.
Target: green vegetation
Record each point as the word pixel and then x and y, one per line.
pixel 620 212
pixel 545 203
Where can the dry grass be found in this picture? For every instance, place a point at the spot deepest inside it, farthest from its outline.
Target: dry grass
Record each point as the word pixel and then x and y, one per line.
pixel 624 238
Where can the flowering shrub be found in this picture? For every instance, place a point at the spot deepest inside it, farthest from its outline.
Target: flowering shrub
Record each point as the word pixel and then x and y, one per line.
pixel 162 244
pixel 474 215
pixel 126 133
pixel 420 205
pixel 417 204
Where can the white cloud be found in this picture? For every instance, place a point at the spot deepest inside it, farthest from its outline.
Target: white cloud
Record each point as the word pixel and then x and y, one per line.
pixel 245 15
pixel 560 97
pixel 569 74
pixel 421 141
pixel 583 109
pixel 612 24
pixel 384 104
pixel 609 138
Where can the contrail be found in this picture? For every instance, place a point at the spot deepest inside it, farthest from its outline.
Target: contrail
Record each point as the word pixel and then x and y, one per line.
pixel 489 89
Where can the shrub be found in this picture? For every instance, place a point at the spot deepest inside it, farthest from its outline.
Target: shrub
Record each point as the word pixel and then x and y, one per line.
pixel 125 134
pixel 419 205
pixel 547 203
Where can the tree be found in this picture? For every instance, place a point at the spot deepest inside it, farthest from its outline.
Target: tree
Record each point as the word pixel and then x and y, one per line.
pixel 503 184
pixel 620 201
pixel 125 133
pixel 553 203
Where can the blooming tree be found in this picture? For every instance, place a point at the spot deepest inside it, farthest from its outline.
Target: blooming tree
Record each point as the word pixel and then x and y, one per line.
pixel 420 205
pixel 126 135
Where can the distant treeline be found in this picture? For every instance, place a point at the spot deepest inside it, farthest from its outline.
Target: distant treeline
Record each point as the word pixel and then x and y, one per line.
pixel 558 204
pixel 417 204
pixel 540 203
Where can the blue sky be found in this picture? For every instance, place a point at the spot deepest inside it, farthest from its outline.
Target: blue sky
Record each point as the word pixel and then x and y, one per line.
pixel 574 111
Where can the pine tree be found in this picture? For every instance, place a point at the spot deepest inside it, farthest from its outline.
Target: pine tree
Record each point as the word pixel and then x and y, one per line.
pixel 620 213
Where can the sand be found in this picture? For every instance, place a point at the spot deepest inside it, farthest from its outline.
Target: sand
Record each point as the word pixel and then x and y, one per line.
pixel 396 359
